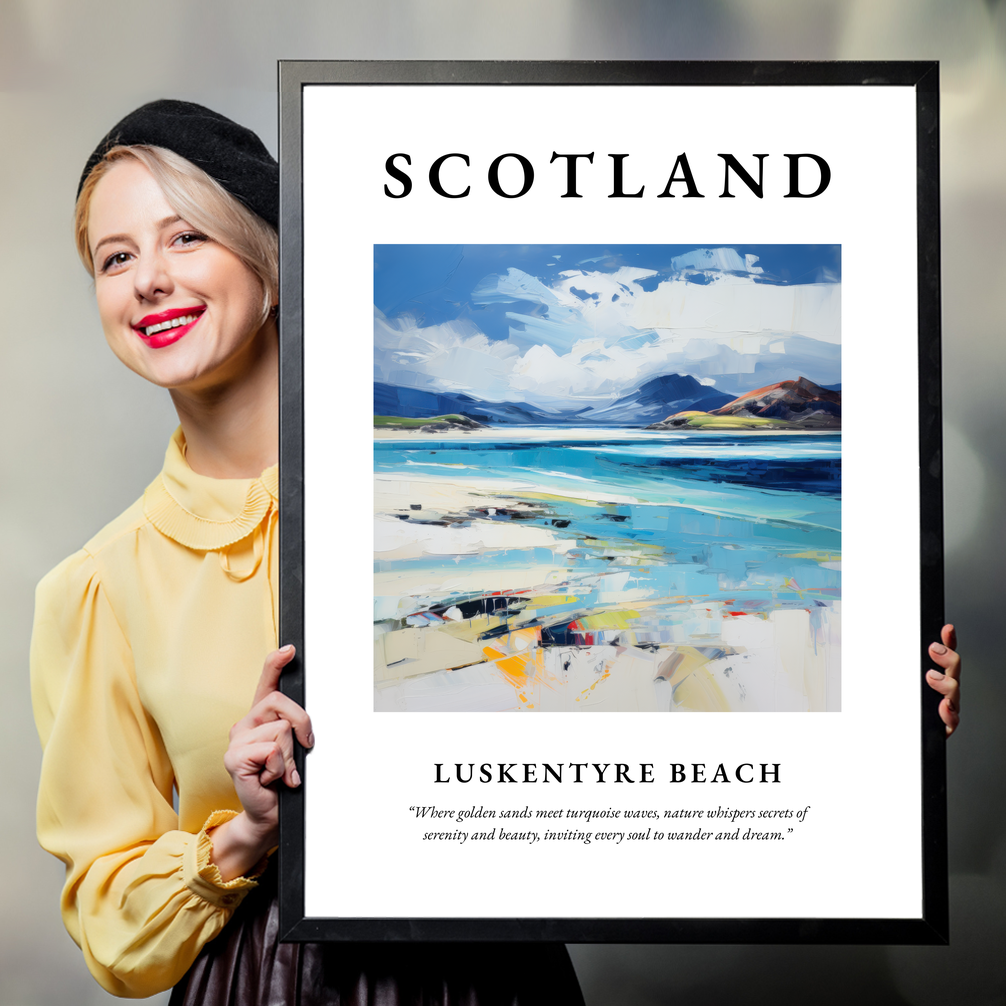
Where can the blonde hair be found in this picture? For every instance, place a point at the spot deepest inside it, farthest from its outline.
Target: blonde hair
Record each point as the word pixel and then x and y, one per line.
pixel 199 200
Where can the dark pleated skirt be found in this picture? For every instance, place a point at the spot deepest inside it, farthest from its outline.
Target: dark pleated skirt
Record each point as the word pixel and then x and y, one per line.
pixel 246 965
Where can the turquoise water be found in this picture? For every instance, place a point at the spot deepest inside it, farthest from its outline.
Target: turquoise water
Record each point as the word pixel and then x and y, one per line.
pixel 746 521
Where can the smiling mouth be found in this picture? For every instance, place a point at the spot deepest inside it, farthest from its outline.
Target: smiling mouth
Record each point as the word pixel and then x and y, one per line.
pixel 167 327
pixel 185 319
pixel 165 324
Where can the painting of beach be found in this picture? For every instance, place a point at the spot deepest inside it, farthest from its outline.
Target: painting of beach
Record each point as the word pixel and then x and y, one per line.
pixel 607 479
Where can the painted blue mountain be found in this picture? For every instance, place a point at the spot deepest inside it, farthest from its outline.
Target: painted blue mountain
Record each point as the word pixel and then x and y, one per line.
pixel 657 398
pixel 413 403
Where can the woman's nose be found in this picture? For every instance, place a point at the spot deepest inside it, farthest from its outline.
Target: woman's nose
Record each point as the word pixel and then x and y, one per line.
pixel 152 277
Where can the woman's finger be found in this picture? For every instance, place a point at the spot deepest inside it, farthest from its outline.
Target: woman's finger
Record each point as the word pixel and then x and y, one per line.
pixel 271 671
pixel 260 760
pixel 949 636
pixel 280 732
pixel 948 659
pixel 944 684
pixel 949 688
pixel 273 766
pixel 950 716
pixel 277 706
pixel 947 681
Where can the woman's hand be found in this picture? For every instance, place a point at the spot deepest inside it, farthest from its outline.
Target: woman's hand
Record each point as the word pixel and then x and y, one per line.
pixel 260 753
pixel 947 682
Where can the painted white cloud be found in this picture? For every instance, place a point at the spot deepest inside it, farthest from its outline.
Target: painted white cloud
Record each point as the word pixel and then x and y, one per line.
pixel 453 356
pixel 601 335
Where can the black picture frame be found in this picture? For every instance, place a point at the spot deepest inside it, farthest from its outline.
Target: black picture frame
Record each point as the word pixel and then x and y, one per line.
pixel 932 925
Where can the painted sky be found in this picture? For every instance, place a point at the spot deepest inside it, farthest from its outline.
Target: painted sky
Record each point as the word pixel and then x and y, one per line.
pixel 567 325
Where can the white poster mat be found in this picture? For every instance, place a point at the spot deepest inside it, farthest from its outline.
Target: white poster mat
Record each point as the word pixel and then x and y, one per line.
pixel 857 852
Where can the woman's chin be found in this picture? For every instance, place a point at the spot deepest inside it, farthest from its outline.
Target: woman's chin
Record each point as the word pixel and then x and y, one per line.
pixel 197 365
pixel 172 374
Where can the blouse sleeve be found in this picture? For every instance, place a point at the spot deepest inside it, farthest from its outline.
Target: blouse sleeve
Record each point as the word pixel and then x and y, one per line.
pixel 141 898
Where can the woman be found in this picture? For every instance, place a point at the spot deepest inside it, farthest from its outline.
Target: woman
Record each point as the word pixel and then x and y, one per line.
pixel 148 643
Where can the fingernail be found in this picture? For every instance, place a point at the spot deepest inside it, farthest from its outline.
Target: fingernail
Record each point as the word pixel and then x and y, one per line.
pixel 310 740
pixel 936 675
pixel 295 777
pixel 287 649
pixel 938 648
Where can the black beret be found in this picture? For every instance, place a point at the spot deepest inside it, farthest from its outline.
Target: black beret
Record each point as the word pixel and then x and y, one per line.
pixel 230 154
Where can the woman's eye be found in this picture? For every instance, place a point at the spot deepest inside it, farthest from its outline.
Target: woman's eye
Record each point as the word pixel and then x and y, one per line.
pixel 190 238
pixel 114 261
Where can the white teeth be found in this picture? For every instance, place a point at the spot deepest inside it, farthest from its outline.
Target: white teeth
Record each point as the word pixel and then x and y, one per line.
pixel 173 323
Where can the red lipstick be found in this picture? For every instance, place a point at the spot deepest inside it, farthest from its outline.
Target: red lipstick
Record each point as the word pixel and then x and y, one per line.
pixel 165 333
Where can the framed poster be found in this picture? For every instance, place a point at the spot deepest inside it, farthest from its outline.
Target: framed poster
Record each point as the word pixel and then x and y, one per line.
pixel 611 501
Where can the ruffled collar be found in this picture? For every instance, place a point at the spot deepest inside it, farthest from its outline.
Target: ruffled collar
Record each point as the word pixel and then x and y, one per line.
pixel 203 513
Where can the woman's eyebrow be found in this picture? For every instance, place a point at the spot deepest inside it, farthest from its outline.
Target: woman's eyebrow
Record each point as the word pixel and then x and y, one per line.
pixel 160 225
pixel 109 240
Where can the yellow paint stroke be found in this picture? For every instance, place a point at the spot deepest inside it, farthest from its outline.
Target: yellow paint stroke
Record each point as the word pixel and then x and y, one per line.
pixel 408 652
pixel 700 693
pixel 608 620
pixel 522 639
pixel 547 600
pixel 693 685
pixel 683 661
pixel 520 660
pixel 516 669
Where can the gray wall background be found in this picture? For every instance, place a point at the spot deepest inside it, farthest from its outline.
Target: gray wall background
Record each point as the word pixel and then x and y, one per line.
pixel 82 436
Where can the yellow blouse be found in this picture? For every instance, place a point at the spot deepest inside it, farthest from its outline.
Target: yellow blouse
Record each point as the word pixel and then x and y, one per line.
pixel 147 647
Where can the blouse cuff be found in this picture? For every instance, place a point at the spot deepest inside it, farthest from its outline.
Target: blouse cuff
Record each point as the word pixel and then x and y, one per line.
pixel 202 876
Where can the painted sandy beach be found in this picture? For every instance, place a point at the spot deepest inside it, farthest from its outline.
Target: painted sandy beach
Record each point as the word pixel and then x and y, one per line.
pixel 607 571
